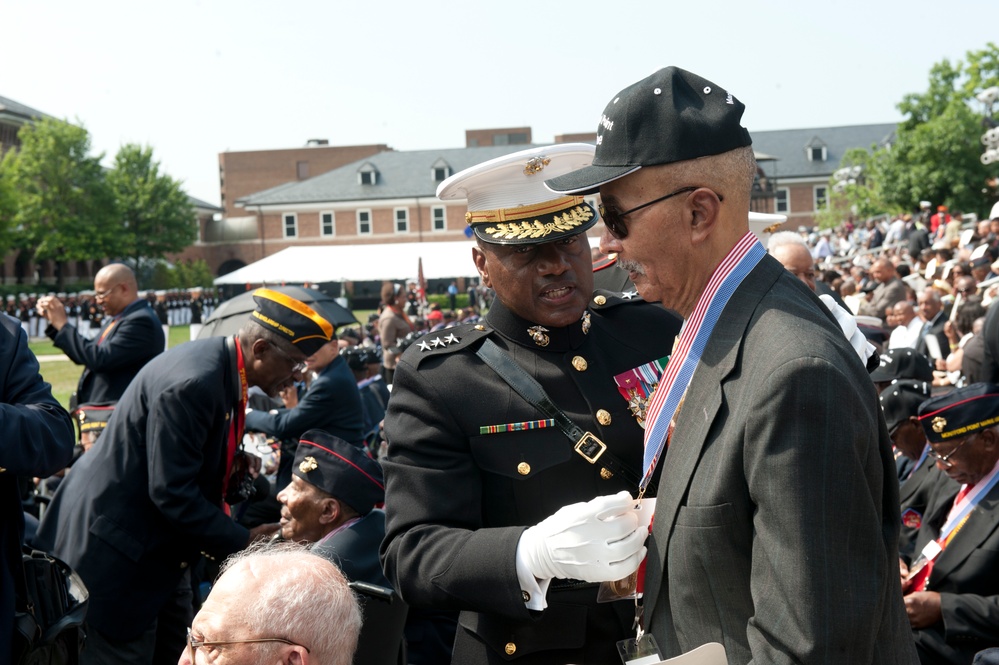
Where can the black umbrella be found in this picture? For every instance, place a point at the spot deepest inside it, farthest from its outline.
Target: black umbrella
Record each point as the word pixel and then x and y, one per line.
pixel 230 316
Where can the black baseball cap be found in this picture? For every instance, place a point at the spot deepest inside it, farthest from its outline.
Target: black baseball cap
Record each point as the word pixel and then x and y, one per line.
pixel 900 401
pixel 903 363
pixel 671 116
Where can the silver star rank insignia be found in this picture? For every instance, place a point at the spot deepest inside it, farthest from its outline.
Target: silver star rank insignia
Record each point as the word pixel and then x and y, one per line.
pixel 424 346
pixel 451 339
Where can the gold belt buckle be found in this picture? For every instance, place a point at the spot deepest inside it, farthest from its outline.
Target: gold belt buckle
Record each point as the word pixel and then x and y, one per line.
pixel 590 448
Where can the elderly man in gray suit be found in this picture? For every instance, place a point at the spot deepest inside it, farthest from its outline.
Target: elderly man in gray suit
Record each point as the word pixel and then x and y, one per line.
pixel 776 527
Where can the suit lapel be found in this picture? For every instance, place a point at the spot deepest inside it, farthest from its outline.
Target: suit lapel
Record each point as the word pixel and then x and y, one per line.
pixel 700 406
pixel 977 529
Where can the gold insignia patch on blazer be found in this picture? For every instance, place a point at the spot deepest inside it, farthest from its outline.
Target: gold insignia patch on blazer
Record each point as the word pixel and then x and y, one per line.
pixel 308 464
pixel 939 424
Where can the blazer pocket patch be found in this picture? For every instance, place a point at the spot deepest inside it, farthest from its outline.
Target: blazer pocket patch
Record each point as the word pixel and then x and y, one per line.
pixel 117 538
pixel 706 516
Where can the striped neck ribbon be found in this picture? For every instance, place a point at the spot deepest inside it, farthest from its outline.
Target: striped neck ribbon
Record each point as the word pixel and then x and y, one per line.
pixel 694 336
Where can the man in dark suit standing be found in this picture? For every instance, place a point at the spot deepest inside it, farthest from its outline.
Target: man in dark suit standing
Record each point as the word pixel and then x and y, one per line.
pixel 138 509
pixel 951 583
pixel 128 339
pixel 776 523
pixel 37 440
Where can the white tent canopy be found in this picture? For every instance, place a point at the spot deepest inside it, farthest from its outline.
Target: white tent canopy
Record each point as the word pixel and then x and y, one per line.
pixel 360 263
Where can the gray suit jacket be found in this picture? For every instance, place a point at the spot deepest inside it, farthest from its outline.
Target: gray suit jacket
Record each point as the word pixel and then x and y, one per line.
pixel 776 528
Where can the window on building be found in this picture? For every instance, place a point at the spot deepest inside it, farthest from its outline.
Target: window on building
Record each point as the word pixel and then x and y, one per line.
pixel 302 169
pixel 367 177
pixel 290 225
pixel 441 173
pixel 402 220
pixel 817 153
pixel 363 222
pixel 782 201
pixel 820 194
pixel 326 227
pixel 439 218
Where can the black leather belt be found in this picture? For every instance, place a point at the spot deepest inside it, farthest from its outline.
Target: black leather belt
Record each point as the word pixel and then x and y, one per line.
pixel 586 444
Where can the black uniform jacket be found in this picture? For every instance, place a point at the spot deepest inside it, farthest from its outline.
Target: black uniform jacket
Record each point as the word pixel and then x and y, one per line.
pixel 332 403
pixel 458 500
pixel 137 509
pixel 966 575
pixel 914 494
pixel 110 365
pixel 36 439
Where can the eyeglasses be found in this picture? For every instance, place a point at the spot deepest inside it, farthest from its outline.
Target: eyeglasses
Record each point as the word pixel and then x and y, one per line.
pixel 101 295
pixel 193 645
pixel 614 221
pixel 297 367
pixel 945 459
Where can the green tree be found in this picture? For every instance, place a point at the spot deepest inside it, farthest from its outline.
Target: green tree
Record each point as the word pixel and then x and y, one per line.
pixel 936 155
pixel 65 209
pixel 8 205
pixel 155 214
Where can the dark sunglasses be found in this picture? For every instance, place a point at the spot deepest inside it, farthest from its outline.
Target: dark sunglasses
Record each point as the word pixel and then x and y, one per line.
pixel 614 221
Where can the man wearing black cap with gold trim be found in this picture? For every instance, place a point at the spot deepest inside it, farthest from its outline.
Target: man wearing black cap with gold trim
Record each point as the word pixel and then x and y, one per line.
pixel 952 580
pixel 138 509
pixel 483 484
pixel 776 523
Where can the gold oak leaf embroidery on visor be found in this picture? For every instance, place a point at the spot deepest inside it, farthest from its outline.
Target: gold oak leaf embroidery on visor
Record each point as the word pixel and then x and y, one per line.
pixel 567 221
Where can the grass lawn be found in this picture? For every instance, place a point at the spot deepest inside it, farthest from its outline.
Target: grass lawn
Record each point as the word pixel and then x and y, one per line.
pixel 65 374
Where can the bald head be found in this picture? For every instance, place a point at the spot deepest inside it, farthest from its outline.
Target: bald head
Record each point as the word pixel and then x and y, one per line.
pixel 116 288
pixel 118 273
pixel 797 260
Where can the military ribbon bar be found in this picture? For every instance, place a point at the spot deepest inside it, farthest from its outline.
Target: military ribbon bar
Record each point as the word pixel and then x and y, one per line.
pixel 517 427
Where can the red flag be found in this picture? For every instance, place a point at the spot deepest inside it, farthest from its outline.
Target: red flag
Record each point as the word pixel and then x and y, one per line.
pixel 421 282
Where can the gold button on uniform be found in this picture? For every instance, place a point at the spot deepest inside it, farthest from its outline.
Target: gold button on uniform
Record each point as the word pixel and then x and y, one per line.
pixel 606 473
pixel 523 468
pixel 603 417
pixel 510 648
pixel 480 327
pixel 600 300
pixel 579 363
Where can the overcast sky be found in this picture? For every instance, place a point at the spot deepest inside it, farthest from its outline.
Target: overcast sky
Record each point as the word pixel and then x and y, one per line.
pixel 193 78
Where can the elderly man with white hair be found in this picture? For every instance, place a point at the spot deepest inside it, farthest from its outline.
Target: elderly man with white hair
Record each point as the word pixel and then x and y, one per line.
pixel 276 604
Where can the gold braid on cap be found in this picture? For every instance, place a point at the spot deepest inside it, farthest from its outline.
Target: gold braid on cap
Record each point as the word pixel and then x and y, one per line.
pixel 512 223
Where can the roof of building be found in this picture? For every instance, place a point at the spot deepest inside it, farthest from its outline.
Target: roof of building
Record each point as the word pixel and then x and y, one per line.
pixel 398 175
pixel 17 111
pixel 409 174
pixel 203 205
pixel 789 147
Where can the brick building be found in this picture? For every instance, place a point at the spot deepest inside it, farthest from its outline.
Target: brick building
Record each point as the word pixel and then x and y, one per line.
pixel 389 196
pixel 802 161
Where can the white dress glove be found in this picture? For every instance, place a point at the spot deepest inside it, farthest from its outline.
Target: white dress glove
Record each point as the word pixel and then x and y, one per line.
pixel 848 324
pixel 597 541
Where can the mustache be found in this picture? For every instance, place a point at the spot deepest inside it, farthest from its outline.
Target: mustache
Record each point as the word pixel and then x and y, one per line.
pixel 631 266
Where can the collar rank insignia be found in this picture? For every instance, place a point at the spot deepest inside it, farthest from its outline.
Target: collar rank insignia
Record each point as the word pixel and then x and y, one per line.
pixel 586 323
pixel 537 333
pixel 308 464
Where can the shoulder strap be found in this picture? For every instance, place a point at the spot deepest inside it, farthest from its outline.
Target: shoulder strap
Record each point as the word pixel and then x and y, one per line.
pixel 588 446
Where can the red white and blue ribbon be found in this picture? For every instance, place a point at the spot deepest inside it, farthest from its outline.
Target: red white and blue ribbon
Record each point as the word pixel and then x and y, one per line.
pixel 694 336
